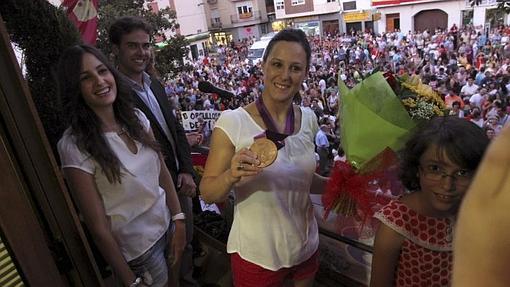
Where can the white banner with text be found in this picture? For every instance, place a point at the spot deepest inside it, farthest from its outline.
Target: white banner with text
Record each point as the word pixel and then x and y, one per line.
pixel 189 119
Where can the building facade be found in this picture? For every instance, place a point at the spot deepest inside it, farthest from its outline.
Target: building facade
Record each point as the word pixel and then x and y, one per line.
pixel 411 15
pixel 233 20
pixel 192 23
pixel 357 15
pixel 315 17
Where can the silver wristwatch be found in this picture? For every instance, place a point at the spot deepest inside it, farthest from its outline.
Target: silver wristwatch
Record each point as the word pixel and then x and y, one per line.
pixel 137 282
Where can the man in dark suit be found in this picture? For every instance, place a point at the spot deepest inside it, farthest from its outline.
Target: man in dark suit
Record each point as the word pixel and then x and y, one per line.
pixel 131 43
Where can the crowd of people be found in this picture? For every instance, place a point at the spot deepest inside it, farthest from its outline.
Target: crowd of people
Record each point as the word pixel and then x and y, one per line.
pixel 467 66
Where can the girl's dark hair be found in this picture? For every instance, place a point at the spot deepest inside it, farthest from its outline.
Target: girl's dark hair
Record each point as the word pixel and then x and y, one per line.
pixel 290 35
pixel 463 141
pixel 85 124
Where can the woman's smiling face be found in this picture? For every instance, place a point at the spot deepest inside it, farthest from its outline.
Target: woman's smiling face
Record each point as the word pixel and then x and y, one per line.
pixel 98 86
pixel 284 70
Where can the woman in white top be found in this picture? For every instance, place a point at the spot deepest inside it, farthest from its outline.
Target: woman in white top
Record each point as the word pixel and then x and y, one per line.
pixel 115 172
pixel 274 236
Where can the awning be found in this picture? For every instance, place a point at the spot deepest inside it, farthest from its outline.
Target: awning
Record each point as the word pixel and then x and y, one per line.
pixel 190 38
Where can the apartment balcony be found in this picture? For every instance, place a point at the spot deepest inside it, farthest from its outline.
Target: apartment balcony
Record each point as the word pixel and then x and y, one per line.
pixel 270 9
pixel 246 17
pixel 216 25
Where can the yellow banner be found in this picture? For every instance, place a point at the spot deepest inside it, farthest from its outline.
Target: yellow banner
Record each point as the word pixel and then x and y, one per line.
pixel 356 16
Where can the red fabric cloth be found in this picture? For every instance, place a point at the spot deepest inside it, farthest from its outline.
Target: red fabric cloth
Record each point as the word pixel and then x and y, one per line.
pixel 83 13
pixel 380 173
pixel 426 256
pixel 247 274
pixel 198 159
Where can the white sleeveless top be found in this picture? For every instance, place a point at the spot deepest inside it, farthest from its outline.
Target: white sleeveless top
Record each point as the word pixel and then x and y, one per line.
pixel 274 224
pixel 136 208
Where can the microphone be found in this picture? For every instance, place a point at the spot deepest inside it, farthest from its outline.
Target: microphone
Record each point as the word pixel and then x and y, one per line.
pixel 206 87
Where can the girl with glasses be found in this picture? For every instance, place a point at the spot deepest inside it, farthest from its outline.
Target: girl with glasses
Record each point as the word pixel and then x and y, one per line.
pixel 413 245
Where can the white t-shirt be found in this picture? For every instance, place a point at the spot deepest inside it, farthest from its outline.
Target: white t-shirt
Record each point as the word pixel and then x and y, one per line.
pixel 476 100
pixel 274 224
pixel 322 85
pixel 136 208
pixel 469 90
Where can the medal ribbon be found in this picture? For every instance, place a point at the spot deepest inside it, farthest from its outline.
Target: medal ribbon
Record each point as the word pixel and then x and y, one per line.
pixel 272 132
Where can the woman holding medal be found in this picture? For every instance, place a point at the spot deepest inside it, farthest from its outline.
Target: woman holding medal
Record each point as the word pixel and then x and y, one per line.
pixel 264 153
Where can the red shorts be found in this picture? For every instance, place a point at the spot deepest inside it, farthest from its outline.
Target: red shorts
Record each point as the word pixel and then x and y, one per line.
pixel 247 274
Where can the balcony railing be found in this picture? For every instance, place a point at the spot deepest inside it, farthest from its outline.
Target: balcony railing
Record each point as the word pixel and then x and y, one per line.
pixel 482 3
pixel 245 17
pixel 216 25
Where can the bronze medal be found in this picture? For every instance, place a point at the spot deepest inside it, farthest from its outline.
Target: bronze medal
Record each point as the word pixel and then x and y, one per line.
pixel 266 151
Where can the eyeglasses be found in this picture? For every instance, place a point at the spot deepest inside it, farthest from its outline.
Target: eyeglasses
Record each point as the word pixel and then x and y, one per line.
pixel 433 172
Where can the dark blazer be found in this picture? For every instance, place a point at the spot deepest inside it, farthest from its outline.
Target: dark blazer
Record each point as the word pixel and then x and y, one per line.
pixel 181 143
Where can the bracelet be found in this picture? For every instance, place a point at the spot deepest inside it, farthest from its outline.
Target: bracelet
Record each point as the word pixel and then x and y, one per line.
pixel 137 282
pixel 179 216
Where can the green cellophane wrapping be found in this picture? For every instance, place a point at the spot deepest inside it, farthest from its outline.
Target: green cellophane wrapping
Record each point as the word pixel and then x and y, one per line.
pixel 372 118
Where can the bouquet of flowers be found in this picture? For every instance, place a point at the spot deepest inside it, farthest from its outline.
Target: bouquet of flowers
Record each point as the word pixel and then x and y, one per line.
pixel 377 118
pixel 420 100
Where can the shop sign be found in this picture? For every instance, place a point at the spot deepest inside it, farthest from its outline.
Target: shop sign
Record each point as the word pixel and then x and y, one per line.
pixel 306 19
pixel 350 17
pixel 278 25
pixel 376 3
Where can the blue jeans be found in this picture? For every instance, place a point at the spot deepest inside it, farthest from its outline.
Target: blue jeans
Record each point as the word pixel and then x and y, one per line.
pixel 152 264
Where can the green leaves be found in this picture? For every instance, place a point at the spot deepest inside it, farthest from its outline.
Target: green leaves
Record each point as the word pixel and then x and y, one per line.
pixel 503 5
pixel 42 31
pixel 168 59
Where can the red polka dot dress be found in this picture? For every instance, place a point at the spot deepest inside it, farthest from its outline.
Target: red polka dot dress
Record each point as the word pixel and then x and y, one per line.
pixel 426 255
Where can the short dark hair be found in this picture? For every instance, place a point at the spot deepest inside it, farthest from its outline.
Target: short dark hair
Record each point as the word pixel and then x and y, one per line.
pixel 463 141
pixel 125 25
pixel 290 35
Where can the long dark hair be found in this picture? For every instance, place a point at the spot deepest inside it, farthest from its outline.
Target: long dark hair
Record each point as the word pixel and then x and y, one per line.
pixel 85 124
pixel 463 141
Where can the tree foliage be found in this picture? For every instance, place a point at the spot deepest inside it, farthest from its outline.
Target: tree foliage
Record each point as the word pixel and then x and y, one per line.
pixel 168 58
pixel 42 31
pixel 503 5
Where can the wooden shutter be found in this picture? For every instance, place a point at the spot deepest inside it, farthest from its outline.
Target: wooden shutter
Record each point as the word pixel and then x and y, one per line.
pixel 9 276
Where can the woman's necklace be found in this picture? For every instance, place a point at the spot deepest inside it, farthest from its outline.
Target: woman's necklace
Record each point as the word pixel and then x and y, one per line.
pixel 120 131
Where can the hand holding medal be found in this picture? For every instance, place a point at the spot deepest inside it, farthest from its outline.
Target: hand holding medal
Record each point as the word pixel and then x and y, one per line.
pixel 246 162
